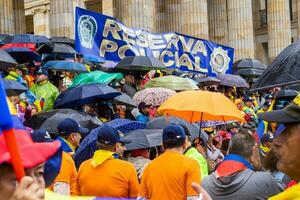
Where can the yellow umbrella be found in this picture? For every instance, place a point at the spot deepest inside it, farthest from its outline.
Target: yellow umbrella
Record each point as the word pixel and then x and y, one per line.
pixel 197 106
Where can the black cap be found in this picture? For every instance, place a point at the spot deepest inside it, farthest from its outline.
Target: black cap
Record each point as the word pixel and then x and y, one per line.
pixel 41 136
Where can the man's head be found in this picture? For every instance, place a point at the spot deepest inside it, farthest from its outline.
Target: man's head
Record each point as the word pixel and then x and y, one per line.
pixel 144 108
pixel 233 127
pixel 248 101
pixel 174 137
pixel 129 78
pixel 109 139
pixel 41 75
pixel 70 130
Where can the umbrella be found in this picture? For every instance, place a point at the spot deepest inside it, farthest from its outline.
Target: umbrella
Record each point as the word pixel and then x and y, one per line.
pixel 95 77
pixel 6 60
pixel 232 80
pixel 248 63
pixel 13 88
pixel 124 99
pixel 56 48
pixel 162 122
pixel 139 63
pixel 250 72
pixel 93 59
pixel 64 65
pixel 153 96
pixel 207 81
pixel 3 37
pixel 26 38
pixel 23 55
pixel 50 119
pixel 30 46
pixel 173 83
pixel 89 144
pixel 284 69
pixel 63 40
pixel 198 106
pixel 84 94
pixel 145 138
pixel 286 94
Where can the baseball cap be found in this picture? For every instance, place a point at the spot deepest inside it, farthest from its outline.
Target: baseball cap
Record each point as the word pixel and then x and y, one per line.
pixel 266 138
pixel 41 136
pixel 289 114
pixel 174 131
pixel 232 125
pixel 68 126
pixel 247 98
pixel 42 71
pixel 109 135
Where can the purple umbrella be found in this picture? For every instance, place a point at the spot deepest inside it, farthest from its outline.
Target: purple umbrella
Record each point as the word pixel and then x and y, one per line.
pixel 232 80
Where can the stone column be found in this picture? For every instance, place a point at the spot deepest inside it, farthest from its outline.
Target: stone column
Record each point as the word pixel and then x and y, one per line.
pixel 279 26
pixel 7 22
pixel 160 16
pixel 194 18
pixel 78 3
pixel 137 13
pixel 218 27
pixel 173 18
pixel 41 21
pixel 298 15
pixel 62 18
pixel 240 28
pixel 19 14
pixel 107 7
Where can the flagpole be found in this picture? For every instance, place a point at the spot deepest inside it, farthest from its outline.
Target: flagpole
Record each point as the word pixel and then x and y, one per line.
pixel 6 125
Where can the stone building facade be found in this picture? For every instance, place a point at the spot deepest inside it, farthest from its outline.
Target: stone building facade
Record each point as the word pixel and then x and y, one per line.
pixel 255 28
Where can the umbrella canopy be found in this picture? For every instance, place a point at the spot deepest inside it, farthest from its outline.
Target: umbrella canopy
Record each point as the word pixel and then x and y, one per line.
pixel 286 94
pixel 124 99
pixel 13 88
pixel 139 63
pixel 64 65
pixel 49 120
pixel 23 55
pixel 6 60
pixel 3 37
pixel 207 81
pixel 26 38
pixel 248 63
pixel 145 138
pixel 232 80
pixel 93 59
pixel 153 96
pixel 285 68
pixel 173 83
pixel 63 40
pixel 95 77
pixel 85 94
pixel 162 122
pixel 250 72
pixel 56 48
pixel 197 106
pixel 89 144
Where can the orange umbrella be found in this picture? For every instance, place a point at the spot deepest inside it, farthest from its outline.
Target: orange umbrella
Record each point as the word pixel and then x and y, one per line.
pixel 196 106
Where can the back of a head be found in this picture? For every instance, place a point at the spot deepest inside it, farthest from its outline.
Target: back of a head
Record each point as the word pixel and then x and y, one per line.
pixel 173 136
pixel 242 144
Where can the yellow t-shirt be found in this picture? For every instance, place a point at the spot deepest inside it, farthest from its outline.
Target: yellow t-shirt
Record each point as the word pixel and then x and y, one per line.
pixel 292 193
pixel 170 177
pixel 112 178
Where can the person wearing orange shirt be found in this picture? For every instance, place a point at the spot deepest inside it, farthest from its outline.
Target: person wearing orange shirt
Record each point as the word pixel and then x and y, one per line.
pixel 66 181
pixel 170 176
pixel 105 175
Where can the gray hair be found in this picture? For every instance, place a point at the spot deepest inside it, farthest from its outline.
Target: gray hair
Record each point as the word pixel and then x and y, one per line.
pixel 242 144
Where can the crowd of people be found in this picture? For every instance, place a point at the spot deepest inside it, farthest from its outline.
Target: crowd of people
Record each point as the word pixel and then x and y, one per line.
pixel 253 159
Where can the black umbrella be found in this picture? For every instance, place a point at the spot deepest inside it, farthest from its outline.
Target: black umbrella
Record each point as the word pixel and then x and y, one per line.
pixel 207 81
pixel 56 48
pixel 125 100
pixel 139 63
pixel 286 94
pixel 26 38
pixel 248 63
pixel 144 138
pixel 85 94
pixel 13 88
pixel 6 60
pixel 23 55
pixel 250 72
pixel 284 70
pixel 162 122
pixel 49 120
pixel 63 40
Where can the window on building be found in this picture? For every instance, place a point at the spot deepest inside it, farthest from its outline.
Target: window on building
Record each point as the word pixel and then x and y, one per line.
pixel 263 13
pixel 29 24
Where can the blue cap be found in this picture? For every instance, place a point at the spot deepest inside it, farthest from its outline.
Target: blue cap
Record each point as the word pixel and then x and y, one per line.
pixel 248 99
pixel 173 131
pixel 68 126
pixel 41 136
pixel 42 71
pixel 109 135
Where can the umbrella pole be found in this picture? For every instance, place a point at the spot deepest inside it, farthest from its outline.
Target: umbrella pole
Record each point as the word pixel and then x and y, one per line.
pixel 200 125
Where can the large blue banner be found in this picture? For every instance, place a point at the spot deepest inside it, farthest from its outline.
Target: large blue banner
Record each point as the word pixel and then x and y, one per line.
pixel 108 38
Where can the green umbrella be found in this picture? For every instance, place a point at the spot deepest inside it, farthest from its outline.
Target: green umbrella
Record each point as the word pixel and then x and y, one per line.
pixel 173 83
pixel 95 77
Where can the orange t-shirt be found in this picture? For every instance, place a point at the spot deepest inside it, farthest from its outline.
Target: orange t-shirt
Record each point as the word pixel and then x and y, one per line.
pixel 67 174
pixel 170 176
pixel 113 178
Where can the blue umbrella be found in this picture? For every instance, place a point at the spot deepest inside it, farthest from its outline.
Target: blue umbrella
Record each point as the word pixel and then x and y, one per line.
pixel 93 59
pixel 85 94
pixel 13 88
pixel 23 55
pixel 65 66
pixel 26 38
pixel 89 144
